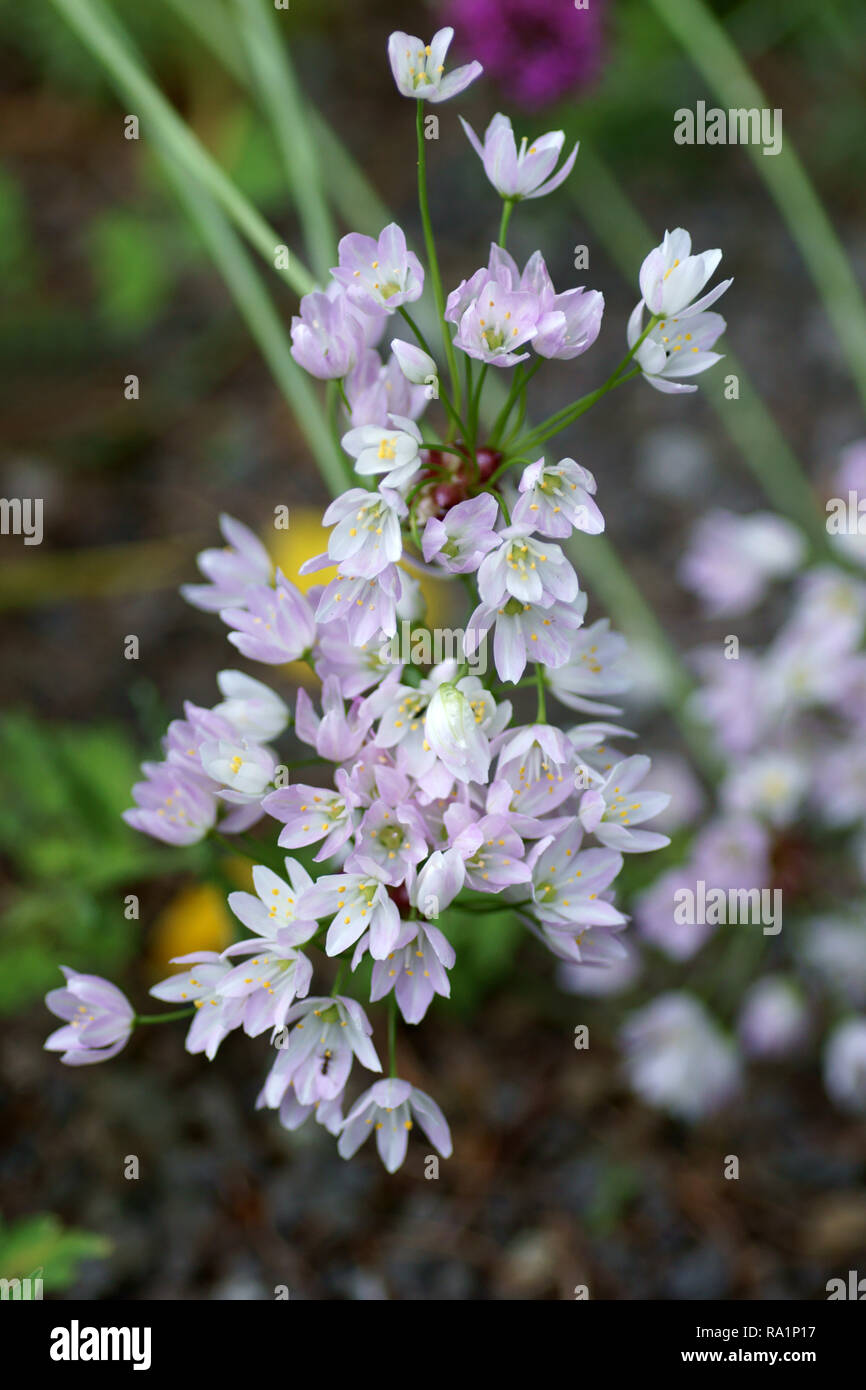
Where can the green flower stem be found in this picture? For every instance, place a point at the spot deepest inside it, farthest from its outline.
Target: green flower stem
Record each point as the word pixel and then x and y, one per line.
pixel 507 210
pixel 432 260
pixel 557 423
pixel 392 1032
pixel 541 713
pixel 422 341
pixel 275 81
pixel 475 404
pixel 715 56
pixel 104 37
pixel 341 965
pixel 163 1018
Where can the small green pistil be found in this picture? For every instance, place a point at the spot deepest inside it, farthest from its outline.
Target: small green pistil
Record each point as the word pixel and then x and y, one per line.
pixel 547 892
pixel 391 287
pixel 513 607
pixel 494 338
pixel 391 837
pixel 330 1015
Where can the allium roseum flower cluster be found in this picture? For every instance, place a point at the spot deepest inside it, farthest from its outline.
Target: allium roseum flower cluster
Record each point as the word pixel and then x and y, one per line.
pixel 410 787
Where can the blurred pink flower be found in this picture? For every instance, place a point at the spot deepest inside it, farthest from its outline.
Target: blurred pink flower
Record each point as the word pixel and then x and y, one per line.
pixel 536 50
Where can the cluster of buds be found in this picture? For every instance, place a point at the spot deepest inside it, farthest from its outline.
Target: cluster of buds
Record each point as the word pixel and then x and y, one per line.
pixel 427 793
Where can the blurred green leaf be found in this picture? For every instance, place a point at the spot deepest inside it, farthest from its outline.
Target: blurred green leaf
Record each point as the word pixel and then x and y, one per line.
pixel 129 269
pixel 42 1247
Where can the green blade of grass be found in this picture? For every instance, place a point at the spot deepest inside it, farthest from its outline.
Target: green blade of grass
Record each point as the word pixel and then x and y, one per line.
pixel 281 98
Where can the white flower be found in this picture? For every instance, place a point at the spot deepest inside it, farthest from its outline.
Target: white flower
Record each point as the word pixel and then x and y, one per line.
pixel 252 707
pixel 387 1110
pixel 458 720
pixel 418 68
pixel 245 768
pixel 675 347
pixel 417 366
pixel 671 276
pixel 393 452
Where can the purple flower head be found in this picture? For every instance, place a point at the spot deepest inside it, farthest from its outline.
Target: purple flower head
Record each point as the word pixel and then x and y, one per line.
pixel 671 276
pixel 525 632
pixel 611 809
pixel 658 921
pixel 232 572
pixel 389 1109
pixel 567 324
pixel 464 536
pixel 278 973
pixel 215 1015
pixel 677 1058
pixel 597 665
pixel 733 698
pixel 536 761
pixel 538 52
pixel 312 814
pixel 375 392
pixel 568 882
pixel 526 568
pixel 98 1019
pixel 496 322
pixel 391 451
pixel 732 852
pixel 555 498
pixel 360 903
pixel 172 805
pixel 367 607
pixel 523 173
pixel 393 837
pixel 416 970
pixel 498 862
pixel 571 324
pixel 732 559
pixel 366 537
pixel 275 626
pixel 315 1057
pixel 184 739
pixel 676 347
pixel 357 667
pixel 339 733
pixel 379 274
pixel 327 338
pixel 419 68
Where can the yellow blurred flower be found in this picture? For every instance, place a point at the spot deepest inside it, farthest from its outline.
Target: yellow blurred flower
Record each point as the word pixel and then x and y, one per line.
pixel 196 919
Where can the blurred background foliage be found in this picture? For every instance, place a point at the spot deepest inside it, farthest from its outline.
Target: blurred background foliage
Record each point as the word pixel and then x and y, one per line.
pixel 104 277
